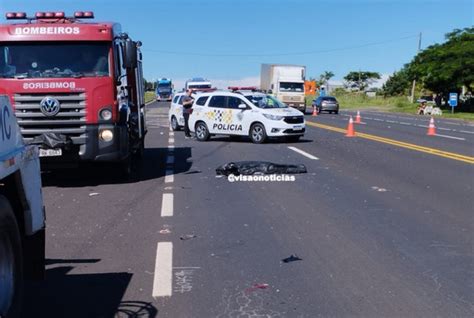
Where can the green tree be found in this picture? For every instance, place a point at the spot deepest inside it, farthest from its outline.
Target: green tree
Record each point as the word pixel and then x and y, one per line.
pixel 149 86
pixel 361 80
pixel 325 77
pixel 398 83
pixel 448 66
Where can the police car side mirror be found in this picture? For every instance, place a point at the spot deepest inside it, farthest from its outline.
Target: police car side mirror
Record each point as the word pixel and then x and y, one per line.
pixel 242 106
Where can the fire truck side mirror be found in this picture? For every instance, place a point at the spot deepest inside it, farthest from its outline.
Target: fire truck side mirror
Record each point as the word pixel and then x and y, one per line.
pixel 130 54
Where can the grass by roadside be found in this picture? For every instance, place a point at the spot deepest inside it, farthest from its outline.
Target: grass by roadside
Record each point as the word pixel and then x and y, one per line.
pixel 149 96
pixel 388 104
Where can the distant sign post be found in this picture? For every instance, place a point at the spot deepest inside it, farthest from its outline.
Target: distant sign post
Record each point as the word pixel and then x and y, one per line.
pixel 453 101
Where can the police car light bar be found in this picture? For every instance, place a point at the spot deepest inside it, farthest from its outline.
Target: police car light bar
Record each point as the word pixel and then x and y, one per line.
pixel 15 15
pixel 245 88
pixel 84 14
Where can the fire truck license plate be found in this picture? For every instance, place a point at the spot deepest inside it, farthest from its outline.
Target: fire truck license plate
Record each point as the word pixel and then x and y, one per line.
pixel 50 152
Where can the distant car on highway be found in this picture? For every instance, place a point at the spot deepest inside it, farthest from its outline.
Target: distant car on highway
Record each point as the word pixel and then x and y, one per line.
pixel 256 115
pixel 326 103
pixel 175 113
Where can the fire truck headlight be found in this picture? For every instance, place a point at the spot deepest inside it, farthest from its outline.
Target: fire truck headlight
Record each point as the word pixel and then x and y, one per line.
pixel 105 114
pixel 106 135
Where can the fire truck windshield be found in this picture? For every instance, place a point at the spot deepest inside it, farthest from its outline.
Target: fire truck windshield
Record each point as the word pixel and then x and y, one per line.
pixel 54 59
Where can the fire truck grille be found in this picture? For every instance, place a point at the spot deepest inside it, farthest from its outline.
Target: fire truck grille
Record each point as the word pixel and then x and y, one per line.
pixel 70 120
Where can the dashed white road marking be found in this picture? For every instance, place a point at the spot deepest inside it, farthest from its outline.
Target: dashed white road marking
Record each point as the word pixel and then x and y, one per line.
pixel 167 205
pixel 450 137
pixel 467 132
pixel 170 160
pixel 310 156
pixel 171 147
pixel 171 140
pixel 163 280
pixel 171 134
pixel 169 177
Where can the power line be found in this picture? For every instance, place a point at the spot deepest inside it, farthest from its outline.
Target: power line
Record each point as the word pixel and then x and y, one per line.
pixel 282 54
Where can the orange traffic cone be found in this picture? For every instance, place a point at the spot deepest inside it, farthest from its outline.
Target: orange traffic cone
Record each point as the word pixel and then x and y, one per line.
pixel 350 128
pixel 431 128
pixel 357 121
pixel 315 113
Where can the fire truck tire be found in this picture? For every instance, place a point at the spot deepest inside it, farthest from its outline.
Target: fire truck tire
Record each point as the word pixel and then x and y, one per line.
pixel 141 149
pixel 125 168
pixel 11 274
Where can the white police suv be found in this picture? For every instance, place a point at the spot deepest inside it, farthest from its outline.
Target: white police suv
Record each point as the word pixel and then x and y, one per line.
pixel 175 113
pixel 256 115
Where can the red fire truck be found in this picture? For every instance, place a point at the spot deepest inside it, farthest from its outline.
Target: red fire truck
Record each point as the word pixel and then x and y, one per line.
pixel 76 87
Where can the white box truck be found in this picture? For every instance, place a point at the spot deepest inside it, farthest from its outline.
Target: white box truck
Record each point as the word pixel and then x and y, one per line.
pixel 285 82
pixel 22 217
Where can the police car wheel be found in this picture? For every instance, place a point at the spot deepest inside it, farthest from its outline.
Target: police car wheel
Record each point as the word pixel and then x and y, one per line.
pixel 174 124
pixel 202 133
pixel 257 133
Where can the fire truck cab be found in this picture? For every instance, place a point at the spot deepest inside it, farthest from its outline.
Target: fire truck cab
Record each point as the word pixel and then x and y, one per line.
pixel 77 87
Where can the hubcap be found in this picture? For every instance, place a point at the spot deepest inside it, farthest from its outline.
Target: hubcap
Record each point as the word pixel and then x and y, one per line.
pixel 201 131
pixel 257 133
pixel 6 274
pixel 174 123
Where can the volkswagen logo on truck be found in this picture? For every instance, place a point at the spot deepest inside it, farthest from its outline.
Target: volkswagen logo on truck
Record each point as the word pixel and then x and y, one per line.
pixel 50 106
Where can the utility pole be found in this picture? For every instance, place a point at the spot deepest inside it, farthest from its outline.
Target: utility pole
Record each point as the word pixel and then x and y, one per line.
pixel 414 81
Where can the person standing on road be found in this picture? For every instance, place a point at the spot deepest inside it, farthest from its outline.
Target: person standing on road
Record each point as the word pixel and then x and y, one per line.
pixel 188 101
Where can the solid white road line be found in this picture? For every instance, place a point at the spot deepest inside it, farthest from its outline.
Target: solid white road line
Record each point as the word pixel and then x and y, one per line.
pixel 171 140
pixel 304 153
pixel 169 177
pixel 450 137
pixel 167 204
pixel 170 160
pixel 163 280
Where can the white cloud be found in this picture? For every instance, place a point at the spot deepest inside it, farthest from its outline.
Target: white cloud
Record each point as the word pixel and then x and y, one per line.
pixel 379 83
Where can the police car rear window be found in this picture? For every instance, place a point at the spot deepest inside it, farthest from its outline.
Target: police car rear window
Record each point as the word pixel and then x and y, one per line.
pixel 202 100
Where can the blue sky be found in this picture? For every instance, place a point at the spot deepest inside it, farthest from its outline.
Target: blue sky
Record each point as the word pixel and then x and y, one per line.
pixel 227 40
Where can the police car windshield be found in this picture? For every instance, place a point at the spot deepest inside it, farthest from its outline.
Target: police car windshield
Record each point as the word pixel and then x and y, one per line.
pixel 265 101
pixel 39 60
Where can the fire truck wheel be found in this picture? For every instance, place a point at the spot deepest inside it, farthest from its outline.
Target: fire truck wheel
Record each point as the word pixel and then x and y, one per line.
pixel 141 149
pixel 11 275
pixel 125 167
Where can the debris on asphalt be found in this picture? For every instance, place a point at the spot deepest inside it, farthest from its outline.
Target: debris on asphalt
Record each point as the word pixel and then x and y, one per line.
pixel 93 194
pixel 256 287
pixel 187 237
pixel 379 189
pixel 291 258
pixel 258 167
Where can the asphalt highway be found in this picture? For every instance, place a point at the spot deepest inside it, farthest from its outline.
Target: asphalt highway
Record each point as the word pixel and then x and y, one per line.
pixel 381 225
